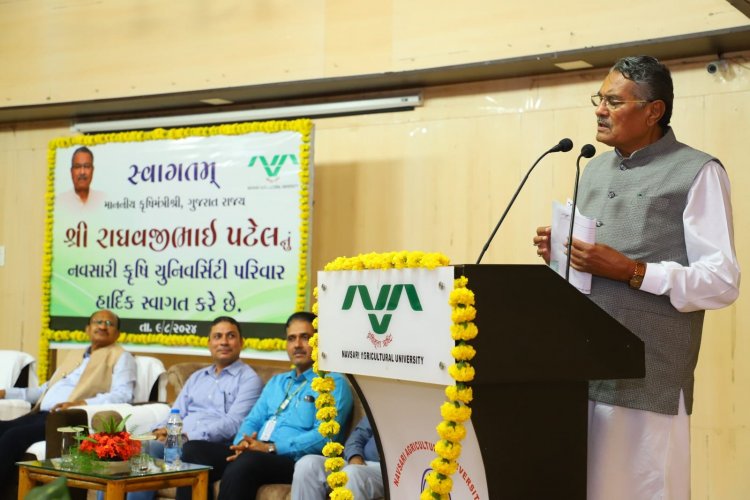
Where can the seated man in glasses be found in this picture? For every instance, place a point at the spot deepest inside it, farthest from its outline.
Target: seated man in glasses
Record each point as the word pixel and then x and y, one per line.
pixel 103 373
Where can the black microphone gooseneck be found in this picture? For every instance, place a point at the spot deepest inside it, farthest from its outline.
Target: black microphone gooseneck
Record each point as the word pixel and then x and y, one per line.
pixel 587 151
pixel 564 145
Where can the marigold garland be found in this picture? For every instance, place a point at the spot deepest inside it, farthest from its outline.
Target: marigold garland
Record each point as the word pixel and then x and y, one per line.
pixel 456 410
pixel 372 261
pixel 328 428
pixel 303 126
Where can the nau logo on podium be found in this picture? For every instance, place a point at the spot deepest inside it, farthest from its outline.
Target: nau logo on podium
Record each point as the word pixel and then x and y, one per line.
pixel 390 323
pixel 388 299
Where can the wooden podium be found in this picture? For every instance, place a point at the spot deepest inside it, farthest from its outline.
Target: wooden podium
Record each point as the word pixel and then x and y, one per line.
pixel 540 341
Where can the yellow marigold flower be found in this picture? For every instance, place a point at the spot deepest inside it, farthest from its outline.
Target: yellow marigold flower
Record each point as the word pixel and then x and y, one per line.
pixel 464 331
pixel 313 341
pixel 329 429
pixel 451 431
pixel 335 464
pixel 462 296
pixel 463 373
pixel 336 479
pixel 447 450
pixel 464 395
pixel 443 466
pixel 320 384
pixel 449 411
pixel 336 265
pixel 379 260
pixel 433 260
pixel 333 449
pixel 324 399
pixel 428 494
pixel 463 352
pixel 439 484
pixel 463 314
pixel 341 494
pixel 402 258
pixel 315 308
pixel 326 413
pixel 414 259
pixel 460 282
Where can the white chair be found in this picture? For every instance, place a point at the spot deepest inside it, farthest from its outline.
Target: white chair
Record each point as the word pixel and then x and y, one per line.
pixel 149 371
pixel 14 363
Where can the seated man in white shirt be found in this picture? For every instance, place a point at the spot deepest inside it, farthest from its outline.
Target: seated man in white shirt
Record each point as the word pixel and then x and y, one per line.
pixel 100 374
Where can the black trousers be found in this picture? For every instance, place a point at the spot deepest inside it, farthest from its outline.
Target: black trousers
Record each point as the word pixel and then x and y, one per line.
pixel 241 478
pixel 15 437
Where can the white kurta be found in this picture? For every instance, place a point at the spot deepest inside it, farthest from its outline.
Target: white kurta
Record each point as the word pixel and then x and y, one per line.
pixel 642 455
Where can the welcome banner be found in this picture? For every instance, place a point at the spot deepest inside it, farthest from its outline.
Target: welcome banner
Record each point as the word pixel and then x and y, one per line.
pixel 180 226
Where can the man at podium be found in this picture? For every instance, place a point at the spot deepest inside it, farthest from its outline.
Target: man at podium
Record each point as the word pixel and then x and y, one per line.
pixel 664 253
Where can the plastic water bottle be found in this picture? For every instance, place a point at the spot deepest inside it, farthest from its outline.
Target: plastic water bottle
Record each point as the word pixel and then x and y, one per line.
pixel 173 446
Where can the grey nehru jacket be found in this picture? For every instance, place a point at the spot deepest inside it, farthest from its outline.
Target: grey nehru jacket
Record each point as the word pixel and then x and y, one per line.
pixel 638 203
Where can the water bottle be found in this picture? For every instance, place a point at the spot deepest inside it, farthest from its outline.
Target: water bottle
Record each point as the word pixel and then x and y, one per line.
pixel 173 445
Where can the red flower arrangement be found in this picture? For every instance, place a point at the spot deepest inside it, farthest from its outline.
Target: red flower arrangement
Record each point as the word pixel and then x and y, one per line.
pixel 109 447
pixel 112 443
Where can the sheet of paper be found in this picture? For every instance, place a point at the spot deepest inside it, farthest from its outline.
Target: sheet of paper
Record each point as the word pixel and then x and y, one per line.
pixel 584 229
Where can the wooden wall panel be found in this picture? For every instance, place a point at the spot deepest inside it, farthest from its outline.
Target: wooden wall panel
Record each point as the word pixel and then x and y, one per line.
pixel 76 50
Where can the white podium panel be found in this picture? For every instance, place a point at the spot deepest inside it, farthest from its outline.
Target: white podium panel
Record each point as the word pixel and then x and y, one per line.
pixel 392 324
pixel 405 415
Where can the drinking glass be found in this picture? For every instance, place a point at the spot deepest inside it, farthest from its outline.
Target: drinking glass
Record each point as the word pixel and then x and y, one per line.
pixel 140 463
pixel 69 443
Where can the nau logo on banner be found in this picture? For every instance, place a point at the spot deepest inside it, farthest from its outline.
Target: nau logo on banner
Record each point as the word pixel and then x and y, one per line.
pixel 272 164
pixel 388 299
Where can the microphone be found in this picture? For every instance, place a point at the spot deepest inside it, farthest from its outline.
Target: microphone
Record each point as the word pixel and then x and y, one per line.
pixel 564 145
pixel 587 151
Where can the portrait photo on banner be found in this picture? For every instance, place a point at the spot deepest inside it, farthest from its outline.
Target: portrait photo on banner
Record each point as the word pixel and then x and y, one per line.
pixel 172 228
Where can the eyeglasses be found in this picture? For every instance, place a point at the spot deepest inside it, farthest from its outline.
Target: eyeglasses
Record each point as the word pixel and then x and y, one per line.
pixel 612 103
pixel 100 322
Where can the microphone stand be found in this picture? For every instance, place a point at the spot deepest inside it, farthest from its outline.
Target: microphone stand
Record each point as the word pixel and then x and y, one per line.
pixel 587 151
pixel 564 145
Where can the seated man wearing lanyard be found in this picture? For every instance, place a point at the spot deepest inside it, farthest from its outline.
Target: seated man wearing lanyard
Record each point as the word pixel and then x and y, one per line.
pixel 280 429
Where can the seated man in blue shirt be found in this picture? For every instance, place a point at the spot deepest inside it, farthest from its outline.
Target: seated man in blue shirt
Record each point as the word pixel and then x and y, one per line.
pixel 365 479
pixel 103 373
pixel 280 428
pixel 215 399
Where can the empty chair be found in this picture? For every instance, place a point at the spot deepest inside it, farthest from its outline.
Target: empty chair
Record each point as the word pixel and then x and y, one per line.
pixel 18 370
pixel 151 380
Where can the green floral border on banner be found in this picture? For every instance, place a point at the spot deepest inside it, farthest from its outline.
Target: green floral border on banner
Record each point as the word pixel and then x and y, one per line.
pixel 303 126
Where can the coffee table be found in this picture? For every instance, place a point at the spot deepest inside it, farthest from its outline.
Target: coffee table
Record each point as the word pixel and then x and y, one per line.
pixel 116 486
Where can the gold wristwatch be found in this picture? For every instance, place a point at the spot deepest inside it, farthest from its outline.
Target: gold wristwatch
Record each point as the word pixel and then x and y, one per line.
pixel 637 279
